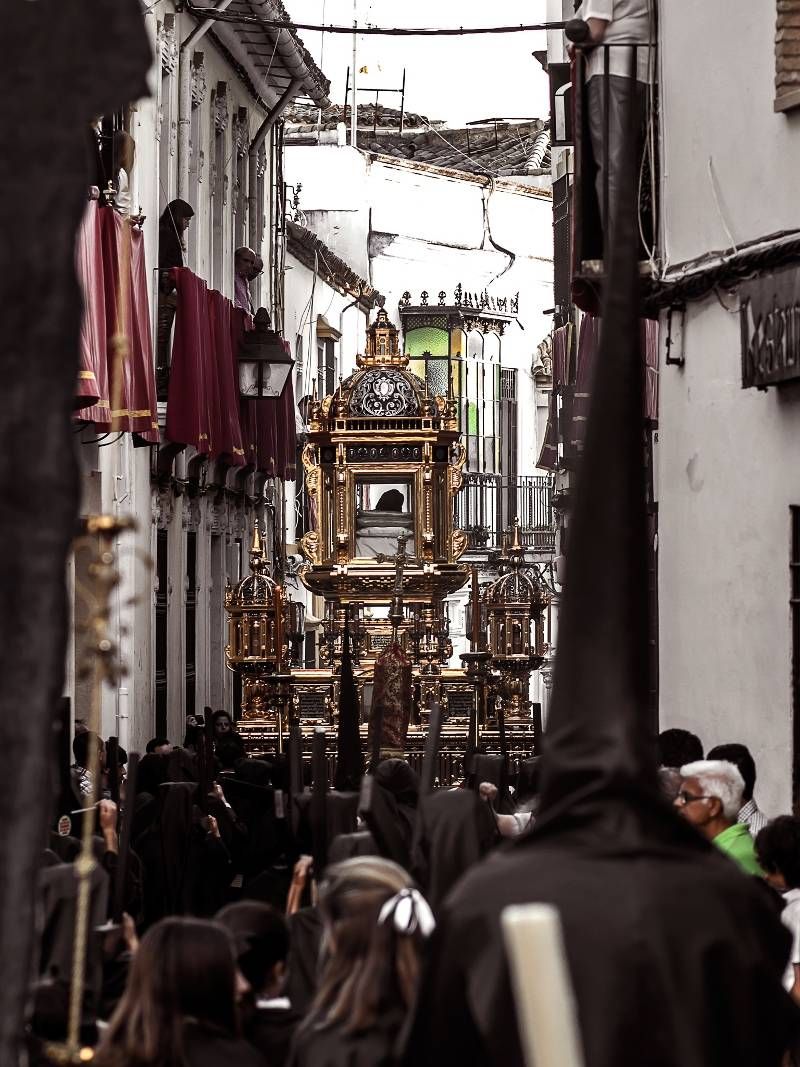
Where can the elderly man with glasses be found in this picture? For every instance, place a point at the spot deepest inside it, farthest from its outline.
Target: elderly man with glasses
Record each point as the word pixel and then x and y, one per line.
pixel 710 797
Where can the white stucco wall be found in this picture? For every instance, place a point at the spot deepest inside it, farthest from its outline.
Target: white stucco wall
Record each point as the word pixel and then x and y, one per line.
pixel 727 472
pixel 727 460
pixel 717 90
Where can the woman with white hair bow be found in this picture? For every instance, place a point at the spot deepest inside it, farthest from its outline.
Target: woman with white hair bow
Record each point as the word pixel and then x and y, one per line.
pixel 710 797
pixel 375 921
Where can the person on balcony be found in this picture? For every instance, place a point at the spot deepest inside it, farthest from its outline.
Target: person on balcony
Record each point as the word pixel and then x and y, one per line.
pixel 245 263
pixel 172 226
pixel 613 24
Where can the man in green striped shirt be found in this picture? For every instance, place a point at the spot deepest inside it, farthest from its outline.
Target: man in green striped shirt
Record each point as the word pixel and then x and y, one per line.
pixel 710 797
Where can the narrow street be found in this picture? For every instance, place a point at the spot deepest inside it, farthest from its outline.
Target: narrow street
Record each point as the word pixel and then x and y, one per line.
pixel 401 585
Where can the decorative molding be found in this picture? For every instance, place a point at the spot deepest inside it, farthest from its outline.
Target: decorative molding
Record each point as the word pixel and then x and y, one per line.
pixel 221 114
pixel 241 132
pixel 163 506
pixel 198 82
pixel 191 514
pixel 261 166
pixel 168 45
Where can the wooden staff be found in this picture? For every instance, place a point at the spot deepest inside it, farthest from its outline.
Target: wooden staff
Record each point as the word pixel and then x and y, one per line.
pixel 475 637
pixel 542 988
pixel 278 631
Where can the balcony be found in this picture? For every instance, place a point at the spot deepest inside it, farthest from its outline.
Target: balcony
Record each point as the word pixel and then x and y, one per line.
pixel 488 504
pixel 601 78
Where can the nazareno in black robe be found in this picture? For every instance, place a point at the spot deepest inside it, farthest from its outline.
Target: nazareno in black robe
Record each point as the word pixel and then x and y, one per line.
pixel 675 956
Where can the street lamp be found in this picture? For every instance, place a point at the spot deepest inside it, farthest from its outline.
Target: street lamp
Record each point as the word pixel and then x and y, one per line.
pixel 264 362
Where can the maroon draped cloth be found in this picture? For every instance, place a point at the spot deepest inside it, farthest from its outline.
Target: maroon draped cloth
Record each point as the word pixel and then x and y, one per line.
pixel 189 419
pixel 203 405
pixel 203 396
pixel 131 376
pixel 91 388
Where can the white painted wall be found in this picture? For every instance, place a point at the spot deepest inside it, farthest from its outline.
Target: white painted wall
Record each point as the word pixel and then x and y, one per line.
pixel 727 467
pixel 723 112
pixel 726 479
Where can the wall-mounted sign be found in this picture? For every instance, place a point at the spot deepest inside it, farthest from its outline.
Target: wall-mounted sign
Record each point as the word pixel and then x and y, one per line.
pixel 770 327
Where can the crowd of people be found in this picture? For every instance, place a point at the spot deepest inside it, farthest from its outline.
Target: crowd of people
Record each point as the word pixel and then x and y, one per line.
pixel 248 934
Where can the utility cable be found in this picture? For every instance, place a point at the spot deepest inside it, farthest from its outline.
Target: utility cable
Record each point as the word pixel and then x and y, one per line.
pixel 383 31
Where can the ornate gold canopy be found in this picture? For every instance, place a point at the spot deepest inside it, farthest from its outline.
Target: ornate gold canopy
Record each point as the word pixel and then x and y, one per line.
pixel 383 458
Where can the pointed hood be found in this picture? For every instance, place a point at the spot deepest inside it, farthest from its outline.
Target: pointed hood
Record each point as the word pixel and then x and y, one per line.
pixel 599 765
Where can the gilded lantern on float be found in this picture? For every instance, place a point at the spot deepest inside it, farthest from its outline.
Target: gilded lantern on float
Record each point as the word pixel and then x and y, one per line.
pixel 514 606
pixel 256 623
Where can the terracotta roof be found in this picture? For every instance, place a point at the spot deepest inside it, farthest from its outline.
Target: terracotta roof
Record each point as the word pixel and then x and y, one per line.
pixel 501 149
pixel 315 254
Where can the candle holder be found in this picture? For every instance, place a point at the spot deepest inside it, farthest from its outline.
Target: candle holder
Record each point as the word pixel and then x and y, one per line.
pixel 257 647
pixel 514 608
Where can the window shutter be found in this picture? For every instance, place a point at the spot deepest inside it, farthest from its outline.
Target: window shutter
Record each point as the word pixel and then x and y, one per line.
pixel 787 55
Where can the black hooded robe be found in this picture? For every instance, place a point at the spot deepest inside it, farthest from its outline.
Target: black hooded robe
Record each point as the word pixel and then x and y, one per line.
pixel 676 960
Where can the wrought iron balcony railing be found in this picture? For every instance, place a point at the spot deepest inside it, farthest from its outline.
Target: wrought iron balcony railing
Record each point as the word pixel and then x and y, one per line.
pixel 488 504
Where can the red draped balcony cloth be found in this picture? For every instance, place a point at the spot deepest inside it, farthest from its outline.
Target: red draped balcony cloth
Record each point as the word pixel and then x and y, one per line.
pixel 131 375
pixel 91 389
pixel 203 395
pixel 203 405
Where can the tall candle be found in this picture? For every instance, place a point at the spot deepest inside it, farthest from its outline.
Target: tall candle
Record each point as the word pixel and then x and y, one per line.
pixel 278 602
pixel 543 992
pixel 476 610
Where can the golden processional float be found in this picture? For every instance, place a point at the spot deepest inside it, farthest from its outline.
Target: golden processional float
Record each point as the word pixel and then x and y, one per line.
pixel 383 463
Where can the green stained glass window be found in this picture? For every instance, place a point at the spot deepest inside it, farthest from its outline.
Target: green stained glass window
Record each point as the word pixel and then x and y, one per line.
pixel 427 339
pixel 472 418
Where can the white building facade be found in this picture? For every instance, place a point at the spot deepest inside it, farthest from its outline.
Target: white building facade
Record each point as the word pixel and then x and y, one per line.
pixel 208 134
pixel 729 452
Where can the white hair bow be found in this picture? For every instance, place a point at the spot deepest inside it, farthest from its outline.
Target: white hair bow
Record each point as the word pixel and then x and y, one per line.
pixel 409 912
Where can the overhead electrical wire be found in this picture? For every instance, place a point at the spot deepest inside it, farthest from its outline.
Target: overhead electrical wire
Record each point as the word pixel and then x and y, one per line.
pixel 381 31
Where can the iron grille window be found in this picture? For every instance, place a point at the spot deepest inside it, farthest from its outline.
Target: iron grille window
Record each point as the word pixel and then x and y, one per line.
pixel 794 601
pixel 508 383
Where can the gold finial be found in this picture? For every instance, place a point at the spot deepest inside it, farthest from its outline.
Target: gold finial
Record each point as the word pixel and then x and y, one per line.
pixel 257 558
pixel 516 540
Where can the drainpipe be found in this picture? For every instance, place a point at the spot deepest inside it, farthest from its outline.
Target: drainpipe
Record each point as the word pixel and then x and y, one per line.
pixel 252 158
pixel 185 98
